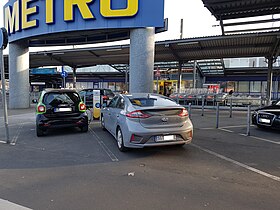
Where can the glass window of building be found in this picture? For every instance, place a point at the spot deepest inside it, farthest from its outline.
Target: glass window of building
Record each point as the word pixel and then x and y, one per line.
pixel 243 87
pixel 255 87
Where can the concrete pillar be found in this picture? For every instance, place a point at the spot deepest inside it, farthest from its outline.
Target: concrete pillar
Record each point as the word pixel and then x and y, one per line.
pixel 269 81
pixel 19 75
pixel 142 52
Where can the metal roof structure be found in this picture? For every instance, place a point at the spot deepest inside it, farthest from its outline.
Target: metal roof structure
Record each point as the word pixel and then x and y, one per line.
pixel 231 9
pixel 168 53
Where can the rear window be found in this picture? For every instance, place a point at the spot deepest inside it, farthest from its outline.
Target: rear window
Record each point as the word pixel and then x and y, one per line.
pixel 108 92
pixel 61 98
pixel 152 101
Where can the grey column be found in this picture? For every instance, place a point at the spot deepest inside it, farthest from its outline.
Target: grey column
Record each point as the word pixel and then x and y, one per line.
pixel 142 51
pixel 269 81
pixel 19 75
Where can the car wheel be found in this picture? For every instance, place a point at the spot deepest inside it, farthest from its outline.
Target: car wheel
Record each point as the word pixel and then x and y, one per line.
pixel 121 146
pixel 102 123
pixel 39 131
pixel 84 129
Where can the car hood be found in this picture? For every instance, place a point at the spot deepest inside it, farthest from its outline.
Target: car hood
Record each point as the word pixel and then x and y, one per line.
pixel 273 109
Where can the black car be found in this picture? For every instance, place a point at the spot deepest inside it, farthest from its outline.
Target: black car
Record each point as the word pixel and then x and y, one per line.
pixel 87 95
pixel 268 116
pixel 60 108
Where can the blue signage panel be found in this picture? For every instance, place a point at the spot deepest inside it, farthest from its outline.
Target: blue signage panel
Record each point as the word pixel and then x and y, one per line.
pixel 43 71
pixel 30 18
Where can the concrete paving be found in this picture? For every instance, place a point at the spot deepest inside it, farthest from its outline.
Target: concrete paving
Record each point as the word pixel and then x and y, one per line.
pixel 67 169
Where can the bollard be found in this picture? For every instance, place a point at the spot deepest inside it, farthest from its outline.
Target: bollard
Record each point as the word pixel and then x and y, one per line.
pixel 230 109
pixel 217 115
pixel 248 120
pixel 190 110
pixel 202 114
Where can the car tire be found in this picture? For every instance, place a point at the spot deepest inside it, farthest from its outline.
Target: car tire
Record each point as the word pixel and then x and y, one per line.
pixel 84 129
pixel 39 131
pixel 119 138
pixel 102 123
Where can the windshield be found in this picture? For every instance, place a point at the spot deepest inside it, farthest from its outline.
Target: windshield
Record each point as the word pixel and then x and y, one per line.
pixel 151 101
pixel 61 98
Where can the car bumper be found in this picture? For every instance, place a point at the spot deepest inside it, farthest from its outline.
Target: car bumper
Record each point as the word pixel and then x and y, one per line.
pixel 150 138
pixel 274 124
pixel 46 123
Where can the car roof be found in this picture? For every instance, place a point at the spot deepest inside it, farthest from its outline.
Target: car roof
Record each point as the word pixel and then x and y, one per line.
pixel 47 90
pixel 96 89
pixel 144 95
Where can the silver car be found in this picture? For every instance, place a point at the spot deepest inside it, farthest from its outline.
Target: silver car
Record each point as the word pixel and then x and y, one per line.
pixel 145 120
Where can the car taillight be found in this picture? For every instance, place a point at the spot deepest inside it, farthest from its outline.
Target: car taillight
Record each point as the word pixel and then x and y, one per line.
pixel 41 109
pixel 82 107
pixel 105 97
pixel 137 114
pixel 184 113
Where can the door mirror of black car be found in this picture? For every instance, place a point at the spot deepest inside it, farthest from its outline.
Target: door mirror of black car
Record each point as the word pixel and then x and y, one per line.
pixel 273 102
pixel 35 101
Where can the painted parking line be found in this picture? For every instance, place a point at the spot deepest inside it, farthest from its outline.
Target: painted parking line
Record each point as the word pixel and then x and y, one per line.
pixel 104 147
pixel 270 176
pixel 226 130
pixel 15 138
pixel 12 125
pixel 7 205
pixel 267 140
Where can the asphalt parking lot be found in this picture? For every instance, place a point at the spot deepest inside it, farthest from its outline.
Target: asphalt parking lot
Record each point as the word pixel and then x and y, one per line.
pixel 222 169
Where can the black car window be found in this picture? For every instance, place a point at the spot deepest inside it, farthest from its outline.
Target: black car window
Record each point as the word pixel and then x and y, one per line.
pixel 151 101
pixel 113 102
pixel 108 92
pixel 56 98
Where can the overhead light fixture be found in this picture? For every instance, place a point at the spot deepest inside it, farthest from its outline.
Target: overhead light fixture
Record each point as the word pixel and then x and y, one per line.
pixel 187 43
pixel 113 50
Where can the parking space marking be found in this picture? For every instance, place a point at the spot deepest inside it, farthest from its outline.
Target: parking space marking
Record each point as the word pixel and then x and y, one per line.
pixel 15 138
pixel 229 131
pixel 17 124
pixel 104 147
pixel 267 140
pixel 7 205
pixel 275 178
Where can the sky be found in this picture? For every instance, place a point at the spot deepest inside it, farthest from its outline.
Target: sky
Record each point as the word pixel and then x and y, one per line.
pixel 198 20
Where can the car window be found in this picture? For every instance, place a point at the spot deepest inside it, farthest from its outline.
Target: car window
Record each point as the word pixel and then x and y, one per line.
pixel 120 103
pixel 108 92
pixel 151 101
pixel 61 98
pixel 113 102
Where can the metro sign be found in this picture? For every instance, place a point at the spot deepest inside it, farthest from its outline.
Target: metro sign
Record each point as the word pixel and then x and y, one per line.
pixel 29 18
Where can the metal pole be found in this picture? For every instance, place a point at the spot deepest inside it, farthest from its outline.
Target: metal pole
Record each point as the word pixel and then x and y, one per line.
pixel 269 81
pixel 182 29
pixel 217 114
pixel 248 120
pixel 202 114
pixel 74 77
pixel 230 110
pixel 4 98
pixel 190 110
pixel 157 86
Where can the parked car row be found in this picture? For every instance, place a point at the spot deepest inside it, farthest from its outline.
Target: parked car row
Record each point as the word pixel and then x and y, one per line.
pixel 135 120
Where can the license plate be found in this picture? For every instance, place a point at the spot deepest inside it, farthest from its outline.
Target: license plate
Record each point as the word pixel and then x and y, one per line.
pixel 165 138
pixel 63 110
pixel 264 120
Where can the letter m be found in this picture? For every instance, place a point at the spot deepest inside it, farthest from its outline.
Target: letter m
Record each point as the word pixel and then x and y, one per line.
pixel 11 16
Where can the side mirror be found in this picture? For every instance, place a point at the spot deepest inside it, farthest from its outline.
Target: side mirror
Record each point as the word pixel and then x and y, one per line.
pixel 35 101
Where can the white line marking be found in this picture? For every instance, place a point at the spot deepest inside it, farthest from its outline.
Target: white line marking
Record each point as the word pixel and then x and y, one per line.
pixel 267 140
pixel 104 147
pixel 7 205
pixel 234 126
pixel 229 131
pixel 15 138
pixel 276 178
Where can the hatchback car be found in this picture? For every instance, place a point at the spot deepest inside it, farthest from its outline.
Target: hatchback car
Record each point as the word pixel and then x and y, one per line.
pixel 146 120
pixel 60 108
pixel 268 116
